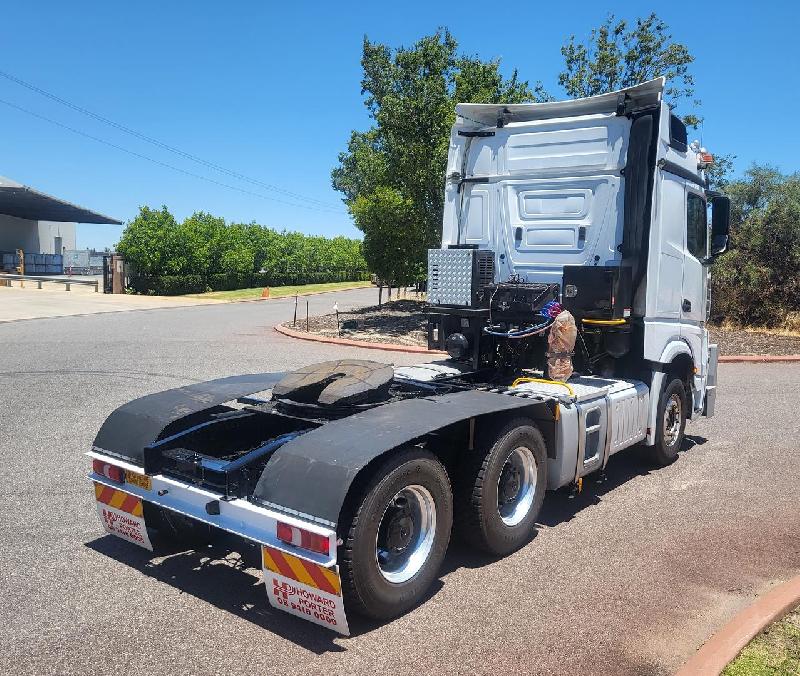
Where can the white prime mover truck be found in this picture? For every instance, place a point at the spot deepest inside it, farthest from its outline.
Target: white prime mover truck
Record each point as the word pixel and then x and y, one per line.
pixel 350 475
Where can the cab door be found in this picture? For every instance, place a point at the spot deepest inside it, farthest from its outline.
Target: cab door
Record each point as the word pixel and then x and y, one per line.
pixel 694 286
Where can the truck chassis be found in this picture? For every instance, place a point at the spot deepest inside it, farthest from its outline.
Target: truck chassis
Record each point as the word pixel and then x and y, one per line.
pixel 295 477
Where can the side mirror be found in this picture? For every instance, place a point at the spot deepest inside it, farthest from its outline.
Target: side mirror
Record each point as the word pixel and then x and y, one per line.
pixel 720 224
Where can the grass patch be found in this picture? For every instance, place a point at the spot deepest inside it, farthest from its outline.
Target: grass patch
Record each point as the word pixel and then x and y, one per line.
pixel 278 291
pixel 774 652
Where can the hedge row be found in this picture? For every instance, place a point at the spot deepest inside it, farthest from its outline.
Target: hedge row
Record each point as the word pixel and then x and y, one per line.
pixel 175 285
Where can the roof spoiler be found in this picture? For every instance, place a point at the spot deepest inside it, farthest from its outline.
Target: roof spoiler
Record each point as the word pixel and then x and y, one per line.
pixel 620 102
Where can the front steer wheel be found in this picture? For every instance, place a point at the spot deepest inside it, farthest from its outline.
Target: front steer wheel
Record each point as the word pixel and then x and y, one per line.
pixel 397 536
pixel 501 487
pixel 670 423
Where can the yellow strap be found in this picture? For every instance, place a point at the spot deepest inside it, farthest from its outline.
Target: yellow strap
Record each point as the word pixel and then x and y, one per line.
pixel 605 322
pixel 518 381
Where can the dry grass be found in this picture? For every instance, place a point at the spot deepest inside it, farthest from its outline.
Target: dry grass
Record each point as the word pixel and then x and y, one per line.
pixel 278 291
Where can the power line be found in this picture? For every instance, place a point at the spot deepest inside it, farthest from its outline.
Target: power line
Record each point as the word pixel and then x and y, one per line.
pixel 160 163
pixel 161 144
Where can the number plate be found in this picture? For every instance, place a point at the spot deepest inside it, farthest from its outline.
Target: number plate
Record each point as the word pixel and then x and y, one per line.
pixel 140 480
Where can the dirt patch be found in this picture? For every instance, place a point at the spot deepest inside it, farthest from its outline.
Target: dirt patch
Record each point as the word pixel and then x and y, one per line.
pixel 403 322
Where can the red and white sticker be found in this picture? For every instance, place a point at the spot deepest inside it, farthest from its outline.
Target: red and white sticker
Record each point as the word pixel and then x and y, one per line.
pixel 304 589
pixel 122 515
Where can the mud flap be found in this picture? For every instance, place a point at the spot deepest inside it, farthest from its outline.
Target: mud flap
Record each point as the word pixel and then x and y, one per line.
pixel 122 514
pixel 304 589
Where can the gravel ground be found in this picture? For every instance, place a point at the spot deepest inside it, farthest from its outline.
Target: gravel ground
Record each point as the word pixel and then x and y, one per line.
pixel 740 341
pixel 404 321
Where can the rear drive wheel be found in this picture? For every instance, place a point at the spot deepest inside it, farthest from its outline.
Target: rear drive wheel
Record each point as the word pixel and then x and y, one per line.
pixel 670 423
pixel 397 536
pixel 502 487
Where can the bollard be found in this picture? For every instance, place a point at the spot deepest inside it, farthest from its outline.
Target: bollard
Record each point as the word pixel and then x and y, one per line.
pixel 67 285
pixel 39 284
pixel 95 286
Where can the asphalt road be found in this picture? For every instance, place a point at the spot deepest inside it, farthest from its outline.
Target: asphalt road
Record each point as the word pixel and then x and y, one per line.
pixel 628 578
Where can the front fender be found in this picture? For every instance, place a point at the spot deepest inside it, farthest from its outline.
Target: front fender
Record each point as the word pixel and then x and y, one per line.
pixel 674 348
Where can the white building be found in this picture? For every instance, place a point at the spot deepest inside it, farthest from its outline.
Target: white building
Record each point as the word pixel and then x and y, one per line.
pixel 39 223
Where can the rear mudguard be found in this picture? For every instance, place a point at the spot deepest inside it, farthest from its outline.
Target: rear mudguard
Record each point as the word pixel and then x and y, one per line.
pixel 143 421
pixel 310 476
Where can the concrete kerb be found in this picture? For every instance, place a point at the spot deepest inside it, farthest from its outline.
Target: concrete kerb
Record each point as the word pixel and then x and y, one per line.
pixel 723 647
pixel 759 358
pixel 392 347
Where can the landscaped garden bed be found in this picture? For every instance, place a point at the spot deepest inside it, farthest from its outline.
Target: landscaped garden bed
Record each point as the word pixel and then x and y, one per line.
pixel 404 322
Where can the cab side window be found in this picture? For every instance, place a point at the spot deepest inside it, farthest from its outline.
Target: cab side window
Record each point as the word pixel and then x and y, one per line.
pixel 696 226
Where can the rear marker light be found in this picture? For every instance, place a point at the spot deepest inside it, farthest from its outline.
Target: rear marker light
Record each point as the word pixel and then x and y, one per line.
pixel 298 537
pixel 108 470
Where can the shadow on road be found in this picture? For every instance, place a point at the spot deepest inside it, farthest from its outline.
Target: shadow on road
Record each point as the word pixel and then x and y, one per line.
pixel 222 575
pixel 563 505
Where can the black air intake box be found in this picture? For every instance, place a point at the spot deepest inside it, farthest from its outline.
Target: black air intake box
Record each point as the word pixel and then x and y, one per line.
pixel 597 292
pixel 520 302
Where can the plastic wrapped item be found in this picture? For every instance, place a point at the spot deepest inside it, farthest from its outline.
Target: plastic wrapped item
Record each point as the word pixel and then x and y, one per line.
pixel 560 344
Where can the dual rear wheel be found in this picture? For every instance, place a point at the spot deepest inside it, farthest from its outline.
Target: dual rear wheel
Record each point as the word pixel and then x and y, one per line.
pixel 399 527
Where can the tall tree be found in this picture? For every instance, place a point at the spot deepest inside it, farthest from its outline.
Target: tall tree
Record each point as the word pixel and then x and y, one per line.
pixel 396 168
pixel 618 55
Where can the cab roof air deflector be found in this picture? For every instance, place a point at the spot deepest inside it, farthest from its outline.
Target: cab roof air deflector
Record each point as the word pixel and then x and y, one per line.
pixel 641 96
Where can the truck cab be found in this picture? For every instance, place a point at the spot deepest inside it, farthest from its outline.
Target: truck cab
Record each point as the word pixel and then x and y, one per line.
pixel 604 198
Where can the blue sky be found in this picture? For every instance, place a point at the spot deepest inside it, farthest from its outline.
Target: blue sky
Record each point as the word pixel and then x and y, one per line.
pixel 272 90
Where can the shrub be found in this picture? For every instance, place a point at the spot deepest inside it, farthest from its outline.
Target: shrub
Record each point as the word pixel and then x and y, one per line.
pixel 757 282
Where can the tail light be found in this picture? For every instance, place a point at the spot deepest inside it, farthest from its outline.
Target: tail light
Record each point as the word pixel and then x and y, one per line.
pixel 292 535
pixel 108 470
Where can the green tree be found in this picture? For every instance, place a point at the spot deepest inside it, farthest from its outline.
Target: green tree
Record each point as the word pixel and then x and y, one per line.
pixel 200 237
pixel 394 243
pixel 398 165
pixel 236 255
pixel 618 55
pixel 758 281
pixel 719 173
pixel 149 241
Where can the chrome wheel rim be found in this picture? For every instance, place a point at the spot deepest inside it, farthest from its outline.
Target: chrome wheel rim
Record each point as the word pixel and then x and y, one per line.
pixel 405 534
pixel 516 486
pixel 672 420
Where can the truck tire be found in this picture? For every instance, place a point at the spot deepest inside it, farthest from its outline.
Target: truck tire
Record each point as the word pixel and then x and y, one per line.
pixel 501 488
pixel 670 423
pixel 397 537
